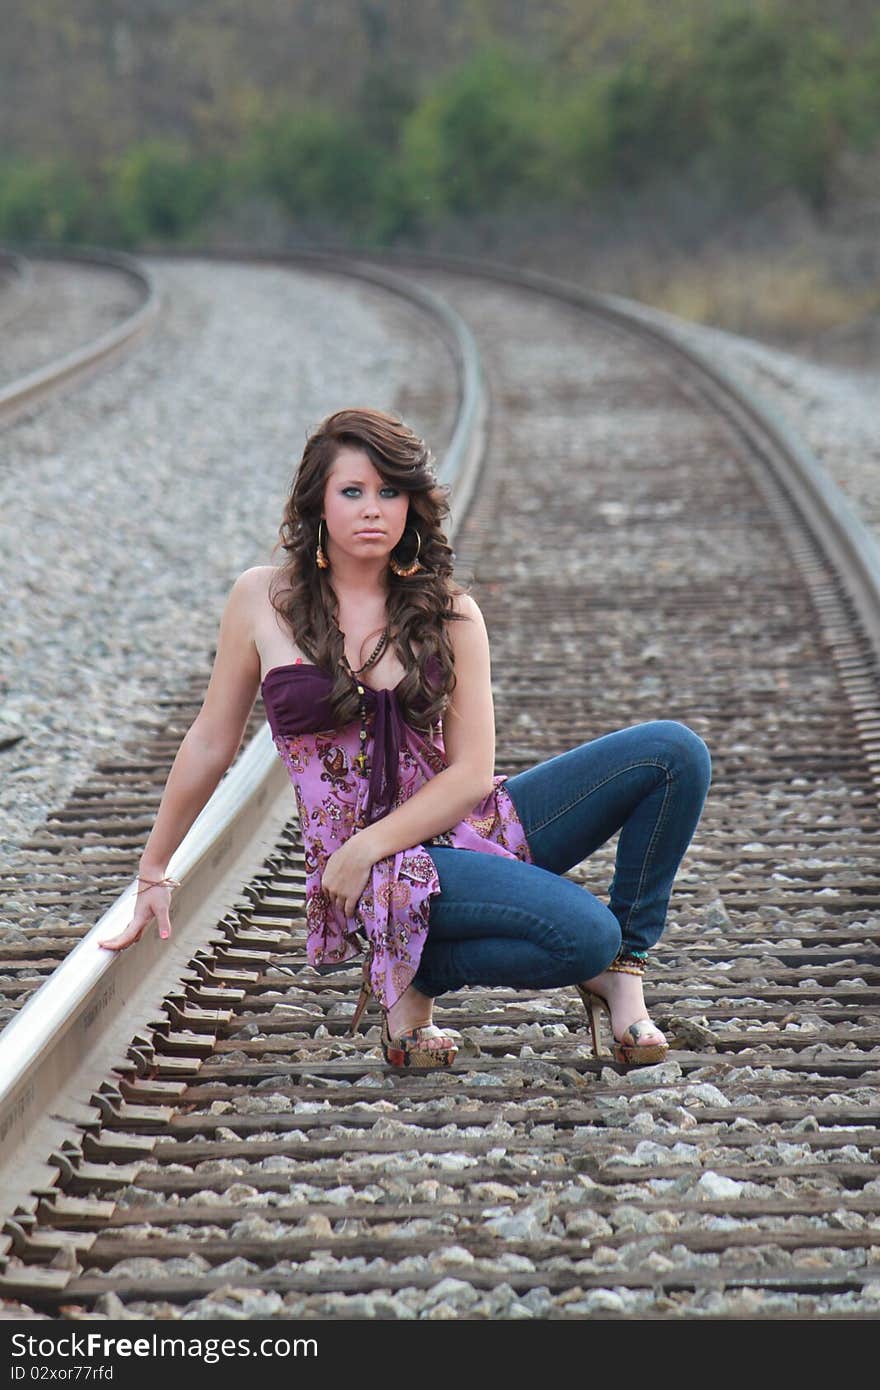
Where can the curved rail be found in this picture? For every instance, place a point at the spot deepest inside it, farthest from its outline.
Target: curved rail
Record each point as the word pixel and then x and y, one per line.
pixel 29 390
pixel 81 1021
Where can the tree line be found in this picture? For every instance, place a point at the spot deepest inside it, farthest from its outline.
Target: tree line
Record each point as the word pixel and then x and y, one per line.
pixel 746 105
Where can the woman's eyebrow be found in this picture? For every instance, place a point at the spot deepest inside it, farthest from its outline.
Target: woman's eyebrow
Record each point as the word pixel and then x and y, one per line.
pixel 360 482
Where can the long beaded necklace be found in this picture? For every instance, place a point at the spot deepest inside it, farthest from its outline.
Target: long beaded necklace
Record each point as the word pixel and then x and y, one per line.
pixel 371 660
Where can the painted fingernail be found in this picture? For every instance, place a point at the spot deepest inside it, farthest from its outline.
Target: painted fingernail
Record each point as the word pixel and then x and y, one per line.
pixel 163 935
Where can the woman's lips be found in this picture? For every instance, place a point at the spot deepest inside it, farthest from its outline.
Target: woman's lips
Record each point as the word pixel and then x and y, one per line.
pixel 373 534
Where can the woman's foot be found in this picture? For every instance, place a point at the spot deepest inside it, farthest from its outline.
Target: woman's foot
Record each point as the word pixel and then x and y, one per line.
pixel 638 1041
pixel 410 1038
pixel 412 1012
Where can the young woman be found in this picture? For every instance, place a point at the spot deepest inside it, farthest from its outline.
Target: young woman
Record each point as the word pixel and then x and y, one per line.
pixel 375 674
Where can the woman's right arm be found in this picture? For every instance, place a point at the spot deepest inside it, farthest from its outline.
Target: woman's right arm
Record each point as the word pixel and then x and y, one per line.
pixel 205 753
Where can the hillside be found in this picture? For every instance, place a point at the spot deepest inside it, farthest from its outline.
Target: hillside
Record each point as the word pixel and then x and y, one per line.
pixel 86 80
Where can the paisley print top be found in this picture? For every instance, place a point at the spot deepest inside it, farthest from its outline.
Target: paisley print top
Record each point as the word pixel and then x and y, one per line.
pixel 391 918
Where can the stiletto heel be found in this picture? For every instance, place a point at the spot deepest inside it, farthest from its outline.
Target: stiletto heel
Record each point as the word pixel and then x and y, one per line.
pixel 595 1006
pixel 627 1049
pixel 363 999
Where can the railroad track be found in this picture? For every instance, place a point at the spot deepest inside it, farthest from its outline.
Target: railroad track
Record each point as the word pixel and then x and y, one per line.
pixel 75 366
pixel 644 544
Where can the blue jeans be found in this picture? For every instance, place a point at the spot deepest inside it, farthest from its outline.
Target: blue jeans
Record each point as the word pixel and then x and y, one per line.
pixel 503 922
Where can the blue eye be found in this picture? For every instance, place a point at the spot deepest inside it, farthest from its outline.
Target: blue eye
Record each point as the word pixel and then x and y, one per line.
pixel 388 490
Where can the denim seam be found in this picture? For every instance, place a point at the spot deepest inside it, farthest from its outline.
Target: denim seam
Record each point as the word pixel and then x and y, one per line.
pixel 582 796
pixel 648 852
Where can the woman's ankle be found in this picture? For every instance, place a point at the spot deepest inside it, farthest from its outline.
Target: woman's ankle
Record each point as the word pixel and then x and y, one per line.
pixel 411 1010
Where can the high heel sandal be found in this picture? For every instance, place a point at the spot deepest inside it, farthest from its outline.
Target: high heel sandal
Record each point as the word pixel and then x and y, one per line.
pixel 627 1049
pixel 407 1049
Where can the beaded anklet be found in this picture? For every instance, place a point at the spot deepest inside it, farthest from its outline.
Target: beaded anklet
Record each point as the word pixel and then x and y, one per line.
pixel 629 962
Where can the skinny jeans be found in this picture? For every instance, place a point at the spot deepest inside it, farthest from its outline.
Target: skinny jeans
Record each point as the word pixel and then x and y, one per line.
pixel 500 921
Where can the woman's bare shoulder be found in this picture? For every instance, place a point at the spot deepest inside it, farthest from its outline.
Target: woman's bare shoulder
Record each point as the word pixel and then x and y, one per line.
pixel 466 606
pixel 260 581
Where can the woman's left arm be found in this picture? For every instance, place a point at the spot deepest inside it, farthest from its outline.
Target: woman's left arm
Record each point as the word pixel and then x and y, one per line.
pixel 469 740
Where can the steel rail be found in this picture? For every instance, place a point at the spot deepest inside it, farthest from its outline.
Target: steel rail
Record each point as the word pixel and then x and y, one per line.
pixel 36 386
pixel 58 1049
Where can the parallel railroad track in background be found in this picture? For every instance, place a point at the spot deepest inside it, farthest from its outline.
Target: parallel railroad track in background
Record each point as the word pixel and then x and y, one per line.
pixel 639 547
pixel 29 305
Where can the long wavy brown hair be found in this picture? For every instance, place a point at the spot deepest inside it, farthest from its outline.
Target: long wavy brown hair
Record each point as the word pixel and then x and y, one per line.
pixel 419 609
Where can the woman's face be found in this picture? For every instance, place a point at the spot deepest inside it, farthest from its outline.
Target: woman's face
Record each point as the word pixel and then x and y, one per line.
pixel 364 516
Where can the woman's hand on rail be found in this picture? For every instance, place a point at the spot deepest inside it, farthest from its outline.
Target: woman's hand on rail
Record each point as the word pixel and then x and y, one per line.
pixel 346 873
pixel 152 902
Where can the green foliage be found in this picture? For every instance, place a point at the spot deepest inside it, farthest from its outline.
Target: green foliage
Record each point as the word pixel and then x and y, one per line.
pixel 43 202
pixel 400 208
pixel 650 120
pixel 319 165
pixel 745 100
pixel 478 139
pixel 771 96
pixel 159 190
pixel 858 93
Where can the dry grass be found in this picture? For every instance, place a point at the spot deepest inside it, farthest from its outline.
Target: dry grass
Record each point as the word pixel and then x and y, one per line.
pixel 778 272
pixel 787 297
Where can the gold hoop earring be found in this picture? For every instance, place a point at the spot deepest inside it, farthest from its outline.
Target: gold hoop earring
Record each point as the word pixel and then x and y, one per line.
pixel 320 557
pixel 413 567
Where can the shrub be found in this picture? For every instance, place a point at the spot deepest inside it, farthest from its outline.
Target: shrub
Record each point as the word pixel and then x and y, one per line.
pixel 43 201
pixel 477 141
pixel 318 165
pixel 158 189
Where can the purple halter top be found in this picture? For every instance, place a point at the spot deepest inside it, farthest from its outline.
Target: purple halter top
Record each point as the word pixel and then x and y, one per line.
pixel 332 796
